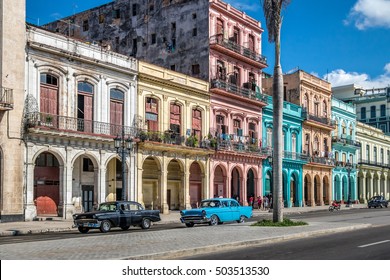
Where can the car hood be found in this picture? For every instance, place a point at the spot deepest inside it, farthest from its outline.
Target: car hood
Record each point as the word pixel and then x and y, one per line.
pixel 197 211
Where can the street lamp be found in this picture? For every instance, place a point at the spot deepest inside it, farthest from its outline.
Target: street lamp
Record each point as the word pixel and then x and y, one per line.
pixel 123 147
pixel 348 166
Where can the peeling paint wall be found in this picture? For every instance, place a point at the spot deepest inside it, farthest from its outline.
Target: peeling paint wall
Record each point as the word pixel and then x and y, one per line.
pixel 171 33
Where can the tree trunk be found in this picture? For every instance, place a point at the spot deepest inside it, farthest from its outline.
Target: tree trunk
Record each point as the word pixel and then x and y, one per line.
pixel 277 134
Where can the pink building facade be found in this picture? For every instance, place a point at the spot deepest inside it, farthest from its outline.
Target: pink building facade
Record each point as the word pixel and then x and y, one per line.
pixel 236 103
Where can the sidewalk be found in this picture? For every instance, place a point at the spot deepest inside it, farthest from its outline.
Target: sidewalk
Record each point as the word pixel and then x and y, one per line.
pixel 55 224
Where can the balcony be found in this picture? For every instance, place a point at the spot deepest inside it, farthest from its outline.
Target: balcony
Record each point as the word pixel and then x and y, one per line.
pixel 238 91
pixel 6 99
pixel 239 52
pixel 374 163
pixel 344 142
pixel 343 164
pixel 295 156
pixel 317 119
pixel 44 122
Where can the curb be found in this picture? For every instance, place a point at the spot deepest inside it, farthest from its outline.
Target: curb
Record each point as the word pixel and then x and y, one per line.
pixel 229 246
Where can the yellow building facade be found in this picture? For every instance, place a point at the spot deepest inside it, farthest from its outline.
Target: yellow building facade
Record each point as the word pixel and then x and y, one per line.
pixel 172 146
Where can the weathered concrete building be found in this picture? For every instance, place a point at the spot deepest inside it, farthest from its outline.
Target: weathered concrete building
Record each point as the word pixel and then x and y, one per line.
pixel 12 63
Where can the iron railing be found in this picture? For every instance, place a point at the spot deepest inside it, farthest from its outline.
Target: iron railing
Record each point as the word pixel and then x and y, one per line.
pixel 231 45
pixel 239 91
pixel 374 163
pixel 346 141
pixel 323 120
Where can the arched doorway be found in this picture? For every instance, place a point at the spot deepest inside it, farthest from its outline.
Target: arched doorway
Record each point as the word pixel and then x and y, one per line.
pixel 307 184
pixel 294 191
pixel 317 190
pixel 195 184
pixel 268 183
pixel 175 190
pixel 219 182
pixel 151 192
pixel 46 184
pixel 325 191
pixel 345 189
pixel 250 184
pixel 337 188
pixel 236 184
pixel 84 192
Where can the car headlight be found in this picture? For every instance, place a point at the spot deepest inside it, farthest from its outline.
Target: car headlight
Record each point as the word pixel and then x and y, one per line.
pixel 203 213
pixel 181 213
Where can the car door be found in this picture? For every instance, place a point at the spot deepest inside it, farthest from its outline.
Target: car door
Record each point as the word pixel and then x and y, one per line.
pixel 136 213
pixel 235 211
pixel 124 214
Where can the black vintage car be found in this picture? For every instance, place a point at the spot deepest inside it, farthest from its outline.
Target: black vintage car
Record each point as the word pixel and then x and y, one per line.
pixel 377 201
pixel 121 214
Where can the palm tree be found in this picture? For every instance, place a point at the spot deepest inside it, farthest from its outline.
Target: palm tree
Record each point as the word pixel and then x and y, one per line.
pixel 272 12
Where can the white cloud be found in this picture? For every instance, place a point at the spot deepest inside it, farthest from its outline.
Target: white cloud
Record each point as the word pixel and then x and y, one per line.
pixel 370 13
pixel 339 78
pixel 245 5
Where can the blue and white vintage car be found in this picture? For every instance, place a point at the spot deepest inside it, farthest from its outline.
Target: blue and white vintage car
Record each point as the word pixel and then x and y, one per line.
pixel 216 211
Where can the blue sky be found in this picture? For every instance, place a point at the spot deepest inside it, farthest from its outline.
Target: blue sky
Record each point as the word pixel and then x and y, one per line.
pixel 345 41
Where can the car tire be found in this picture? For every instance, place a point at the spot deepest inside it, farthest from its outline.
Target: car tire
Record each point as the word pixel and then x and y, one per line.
pixel 125 227
pixel 369 207
pixel 105 226
pixel 331 208
pixel 189 224
pixel 83 229
pixel 241 220
pixel 145 224
pixel 213 220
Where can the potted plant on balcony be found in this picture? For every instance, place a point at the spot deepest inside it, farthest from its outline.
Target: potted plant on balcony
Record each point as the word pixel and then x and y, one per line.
pixel 192 141
pixel 143 136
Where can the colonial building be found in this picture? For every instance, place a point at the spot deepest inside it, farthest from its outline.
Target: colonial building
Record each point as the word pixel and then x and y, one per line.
pixel 78 98
pixel 206 39
pixel 372 105
pixel 314 96
pixel 374 162
pixel 344 150
pixel 293 159
pixel 12 63
pixel 173 155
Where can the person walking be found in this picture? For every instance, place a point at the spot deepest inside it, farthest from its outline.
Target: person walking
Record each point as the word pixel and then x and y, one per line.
pixel 251 199
pixel 259 202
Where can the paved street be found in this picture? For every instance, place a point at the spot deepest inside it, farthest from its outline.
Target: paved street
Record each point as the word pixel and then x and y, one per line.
pixel 180 242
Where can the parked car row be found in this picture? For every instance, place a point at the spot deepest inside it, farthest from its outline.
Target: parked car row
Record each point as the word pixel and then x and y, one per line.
pixel 125 214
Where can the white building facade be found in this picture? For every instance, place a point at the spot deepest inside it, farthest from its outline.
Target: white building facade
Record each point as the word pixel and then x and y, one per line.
pixel 79 97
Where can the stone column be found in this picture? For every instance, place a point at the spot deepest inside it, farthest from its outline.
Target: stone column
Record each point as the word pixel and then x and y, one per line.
pixel 186 193
pixel 140 197
pixel 31 209
pixel 164 186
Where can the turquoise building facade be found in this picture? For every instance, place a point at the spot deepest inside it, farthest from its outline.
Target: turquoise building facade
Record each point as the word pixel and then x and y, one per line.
pixel 344 151
pixel 293 159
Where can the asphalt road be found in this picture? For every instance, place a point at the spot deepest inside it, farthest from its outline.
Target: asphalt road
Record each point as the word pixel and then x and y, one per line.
pixel 367 244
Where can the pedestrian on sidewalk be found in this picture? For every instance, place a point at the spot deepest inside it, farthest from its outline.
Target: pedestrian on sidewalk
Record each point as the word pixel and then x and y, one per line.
pixel 265 203
pixel 251 199
pixel 259 202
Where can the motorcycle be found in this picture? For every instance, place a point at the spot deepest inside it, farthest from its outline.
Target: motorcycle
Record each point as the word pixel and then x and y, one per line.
pixel 335 206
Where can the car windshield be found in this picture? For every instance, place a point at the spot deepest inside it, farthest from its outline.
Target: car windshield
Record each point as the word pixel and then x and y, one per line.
pixel 210 203
pixel 107 207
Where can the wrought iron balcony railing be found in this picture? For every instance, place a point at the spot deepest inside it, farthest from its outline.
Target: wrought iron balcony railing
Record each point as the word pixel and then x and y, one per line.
pixel 69 124
pixel 228 44
pixel 323 120
pixel 374 163
pixel 237 90
pixel 6 98
pixel 345 141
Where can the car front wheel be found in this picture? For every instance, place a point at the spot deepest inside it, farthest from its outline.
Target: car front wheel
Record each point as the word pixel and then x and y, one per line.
pixel 189 224
pixel 83 229
pixel 213 220
pixel 105 226
pixel 145 224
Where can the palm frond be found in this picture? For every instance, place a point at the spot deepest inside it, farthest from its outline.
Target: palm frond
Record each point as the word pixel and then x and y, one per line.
pixel 272 13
